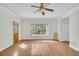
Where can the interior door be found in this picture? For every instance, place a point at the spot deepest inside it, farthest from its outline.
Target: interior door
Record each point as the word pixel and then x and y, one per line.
pixel 15 32
pixel 64 29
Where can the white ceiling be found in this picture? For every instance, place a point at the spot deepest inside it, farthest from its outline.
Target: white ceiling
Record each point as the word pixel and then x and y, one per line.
pixel 25 9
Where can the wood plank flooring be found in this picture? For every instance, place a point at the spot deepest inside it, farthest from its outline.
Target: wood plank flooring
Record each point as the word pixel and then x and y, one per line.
pixel 40 48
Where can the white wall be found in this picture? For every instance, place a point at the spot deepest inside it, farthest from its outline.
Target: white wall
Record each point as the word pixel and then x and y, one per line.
pixel 64 29
pixel 74 29
pixel 6 25
pixel 52 25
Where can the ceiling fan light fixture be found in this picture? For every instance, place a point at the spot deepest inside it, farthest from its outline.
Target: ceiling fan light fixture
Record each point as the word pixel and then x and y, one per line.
pixel 42 8
pixel 42 11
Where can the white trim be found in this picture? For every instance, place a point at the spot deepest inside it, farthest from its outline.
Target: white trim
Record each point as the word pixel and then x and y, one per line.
pixel 73 47
pixel 63 40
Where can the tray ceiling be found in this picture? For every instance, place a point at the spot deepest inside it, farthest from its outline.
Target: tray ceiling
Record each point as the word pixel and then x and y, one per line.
pixel 25 9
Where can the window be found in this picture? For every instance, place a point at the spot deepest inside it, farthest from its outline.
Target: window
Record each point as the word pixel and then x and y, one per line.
pixel 39 29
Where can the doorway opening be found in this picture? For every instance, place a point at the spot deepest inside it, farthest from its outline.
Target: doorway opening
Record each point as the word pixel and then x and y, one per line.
pixel 15 32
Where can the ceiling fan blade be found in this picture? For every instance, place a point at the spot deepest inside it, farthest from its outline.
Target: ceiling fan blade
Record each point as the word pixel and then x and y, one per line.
pixel 34 6
pixel 43 13
pixel 49 9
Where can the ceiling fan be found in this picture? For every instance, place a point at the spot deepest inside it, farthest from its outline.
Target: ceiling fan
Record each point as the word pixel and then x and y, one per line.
pixel 42 8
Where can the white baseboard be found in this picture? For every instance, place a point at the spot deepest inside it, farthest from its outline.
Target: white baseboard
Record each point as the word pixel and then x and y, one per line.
pixel 74 48
pixel 37 39
pixel 62 40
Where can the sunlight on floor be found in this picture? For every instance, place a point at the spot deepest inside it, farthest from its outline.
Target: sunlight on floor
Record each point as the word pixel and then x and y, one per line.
pixel 23 46
pixel 15 53
pixel 36 48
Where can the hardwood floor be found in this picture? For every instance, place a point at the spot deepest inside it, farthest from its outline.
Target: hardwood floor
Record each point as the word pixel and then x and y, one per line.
pixel 40 48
